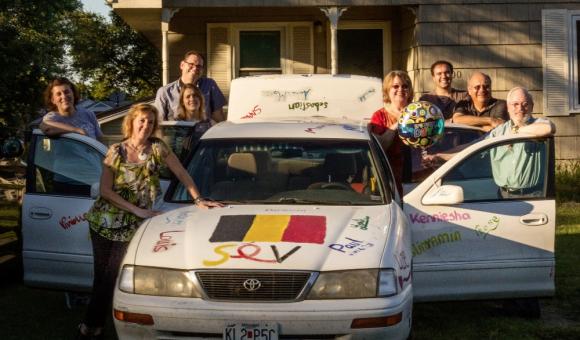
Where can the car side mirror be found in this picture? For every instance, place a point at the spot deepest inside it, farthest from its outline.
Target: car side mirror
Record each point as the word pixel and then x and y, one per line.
pixel 444 195
pixel 95 190
pixel 11 148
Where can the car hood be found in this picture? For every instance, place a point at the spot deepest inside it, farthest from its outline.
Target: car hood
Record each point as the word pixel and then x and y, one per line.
pixel 265 237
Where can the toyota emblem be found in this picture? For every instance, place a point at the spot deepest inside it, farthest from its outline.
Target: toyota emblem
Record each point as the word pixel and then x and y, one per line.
pixel 252 285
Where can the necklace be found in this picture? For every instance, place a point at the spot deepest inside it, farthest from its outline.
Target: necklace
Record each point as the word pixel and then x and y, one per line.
pixel 141 154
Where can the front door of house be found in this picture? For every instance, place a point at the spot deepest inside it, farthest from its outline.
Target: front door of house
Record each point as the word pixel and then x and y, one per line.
pixel 363 50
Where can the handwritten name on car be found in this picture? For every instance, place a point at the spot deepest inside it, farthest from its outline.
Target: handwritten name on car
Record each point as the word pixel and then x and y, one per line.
pixel 351 246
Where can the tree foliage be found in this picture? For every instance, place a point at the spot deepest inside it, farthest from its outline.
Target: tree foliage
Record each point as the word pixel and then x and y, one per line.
pixel 111 56
pixel 32 40
pixel 43 39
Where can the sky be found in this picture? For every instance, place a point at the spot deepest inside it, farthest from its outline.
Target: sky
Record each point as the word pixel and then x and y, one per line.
pixel 96 6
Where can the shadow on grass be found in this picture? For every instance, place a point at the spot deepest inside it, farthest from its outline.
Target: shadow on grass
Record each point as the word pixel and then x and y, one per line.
pixel 30 313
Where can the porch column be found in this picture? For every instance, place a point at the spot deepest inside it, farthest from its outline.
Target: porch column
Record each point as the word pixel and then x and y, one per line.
pixel 166 15
pixel 333 13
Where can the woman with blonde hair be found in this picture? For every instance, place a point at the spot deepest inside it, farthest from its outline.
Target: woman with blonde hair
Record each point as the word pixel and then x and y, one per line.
pixel 191 104
pixel 129 187
pixel 397 93
pixel 191 108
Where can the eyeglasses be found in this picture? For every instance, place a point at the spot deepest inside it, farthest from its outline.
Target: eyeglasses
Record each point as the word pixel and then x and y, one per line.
pixel 482 87
pixel 525 105
pixel 193 65
pixel 397 86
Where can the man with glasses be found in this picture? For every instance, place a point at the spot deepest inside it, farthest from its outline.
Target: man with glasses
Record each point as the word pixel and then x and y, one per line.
pixel 480 108
pixel 444 96
pixel 192 65
pixel 518 169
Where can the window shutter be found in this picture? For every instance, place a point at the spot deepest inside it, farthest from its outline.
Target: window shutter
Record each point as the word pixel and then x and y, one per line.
pixel 302 49
pixel 555 25
pixel 219 55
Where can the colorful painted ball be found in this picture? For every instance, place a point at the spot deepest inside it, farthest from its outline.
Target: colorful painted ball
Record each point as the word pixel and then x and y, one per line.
pixel 421 124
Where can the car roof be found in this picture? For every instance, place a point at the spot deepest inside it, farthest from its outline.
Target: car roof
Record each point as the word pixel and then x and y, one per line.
pixel 291 128
pixel 463 127
pixel 315 127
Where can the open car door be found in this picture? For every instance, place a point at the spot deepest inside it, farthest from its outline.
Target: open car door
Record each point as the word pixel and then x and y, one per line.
pixel 62 182
pixel 470 241
pixel 57 250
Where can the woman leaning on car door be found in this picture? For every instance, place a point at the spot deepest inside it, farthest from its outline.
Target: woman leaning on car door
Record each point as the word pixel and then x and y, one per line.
pixel 129 187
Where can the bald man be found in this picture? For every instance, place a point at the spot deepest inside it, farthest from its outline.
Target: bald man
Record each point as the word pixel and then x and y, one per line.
pixel 480 108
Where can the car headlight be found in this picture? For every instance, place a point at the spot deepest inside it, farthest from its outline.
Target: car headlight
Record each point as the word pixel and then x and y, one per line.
pixel 157 281
pixel 353 284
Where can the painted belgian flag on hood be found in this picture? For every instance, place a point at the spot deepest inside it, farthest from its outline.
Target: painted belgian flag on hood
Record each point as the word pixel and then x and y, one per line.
pixel 270 228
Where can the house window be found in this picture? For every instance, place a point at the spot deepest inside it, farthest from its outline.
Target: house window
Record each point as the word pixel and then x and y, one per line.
pixel 248 48
pixel 260 52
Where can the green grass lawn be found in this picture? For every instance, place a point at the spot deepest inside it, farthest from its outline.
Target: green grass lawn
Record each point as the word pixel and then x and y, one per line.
pixel 28 313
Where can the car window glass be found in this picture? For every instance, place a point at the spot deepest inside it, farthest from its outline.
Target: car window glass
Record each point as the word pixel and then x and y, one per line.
pixel 289 172
pixel 181 139
pixel 452 137
pixel 505 171
pixel 384 164
pixel 65 167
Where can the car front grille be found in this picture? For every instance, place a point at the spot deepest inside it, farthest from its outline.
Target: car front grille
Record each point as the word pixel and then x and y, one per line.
pixel 253 285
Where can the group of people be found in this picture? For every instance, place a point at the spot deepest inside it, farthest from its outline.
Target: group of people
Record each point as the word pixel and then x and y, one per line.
pixel 476 107
pixel 130 184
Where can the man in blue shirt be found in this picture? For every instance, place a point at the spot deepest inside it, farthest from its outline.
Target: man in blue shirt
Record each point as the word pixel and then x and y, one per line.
pixel 517 168
pixel 192 65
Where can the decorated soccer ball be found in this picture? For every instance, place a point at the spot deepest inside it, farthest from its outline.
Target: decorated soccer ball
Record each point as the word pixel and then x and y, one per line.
pixel 421 124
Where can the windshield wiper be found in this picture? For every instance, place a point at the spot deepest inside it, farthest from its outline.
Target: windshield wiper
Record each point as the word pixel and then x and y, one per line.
pixel 293 200
pixel 247 202
pixel 307 201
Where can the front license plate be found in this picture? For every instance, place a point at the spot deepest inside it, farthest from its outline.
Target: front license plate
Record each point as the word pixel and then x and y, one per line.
pixel 251 331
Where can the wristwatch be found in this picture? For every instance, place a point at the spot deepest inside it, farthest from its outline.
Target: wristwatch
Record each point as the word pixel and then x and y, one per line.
pixel 197 200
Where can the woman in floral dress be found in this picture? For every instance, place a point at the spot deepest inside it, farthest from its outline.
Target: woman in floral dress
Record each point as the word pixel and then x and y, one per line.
pixel 129 187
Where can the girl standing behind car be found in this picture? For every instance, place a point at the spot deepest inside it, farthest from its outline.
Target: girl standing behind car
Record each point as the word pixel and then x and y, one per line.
pixel 129 187
pixel 192 108
pixel 60 99
pixel 191 104
pixel 63 116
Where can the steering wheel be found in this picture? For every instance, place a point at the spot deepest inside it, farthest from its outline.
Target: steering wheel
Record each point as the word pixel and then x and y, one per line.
pixel 330 186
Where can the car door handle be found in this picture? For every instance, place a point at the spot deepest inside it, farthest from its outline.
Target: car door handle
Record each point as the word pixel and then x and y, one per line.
pixel 38 213
pixel 534 219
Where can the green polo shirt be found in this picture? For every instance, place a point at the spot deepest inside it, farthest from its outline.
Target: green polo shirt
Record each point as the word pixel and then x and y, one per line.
pixel 520 165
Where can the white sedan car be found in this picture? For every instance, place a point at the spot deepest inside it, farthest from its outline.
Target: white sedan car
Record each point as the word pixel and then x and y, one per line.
pixel 314 241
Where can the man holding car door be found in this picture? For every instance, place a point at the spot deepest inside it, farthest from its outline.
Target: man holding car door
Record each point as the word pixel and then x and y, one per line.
pixel 516 167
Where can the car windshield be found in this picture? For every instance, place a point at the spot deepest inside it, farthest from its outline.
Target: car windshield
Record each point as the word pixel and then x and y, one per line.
pixel 326 172
pixel 452 137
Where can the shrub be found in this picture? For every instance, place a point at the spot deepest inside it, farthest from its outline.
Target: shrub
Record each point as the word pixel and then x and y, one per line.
pixel 568 181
